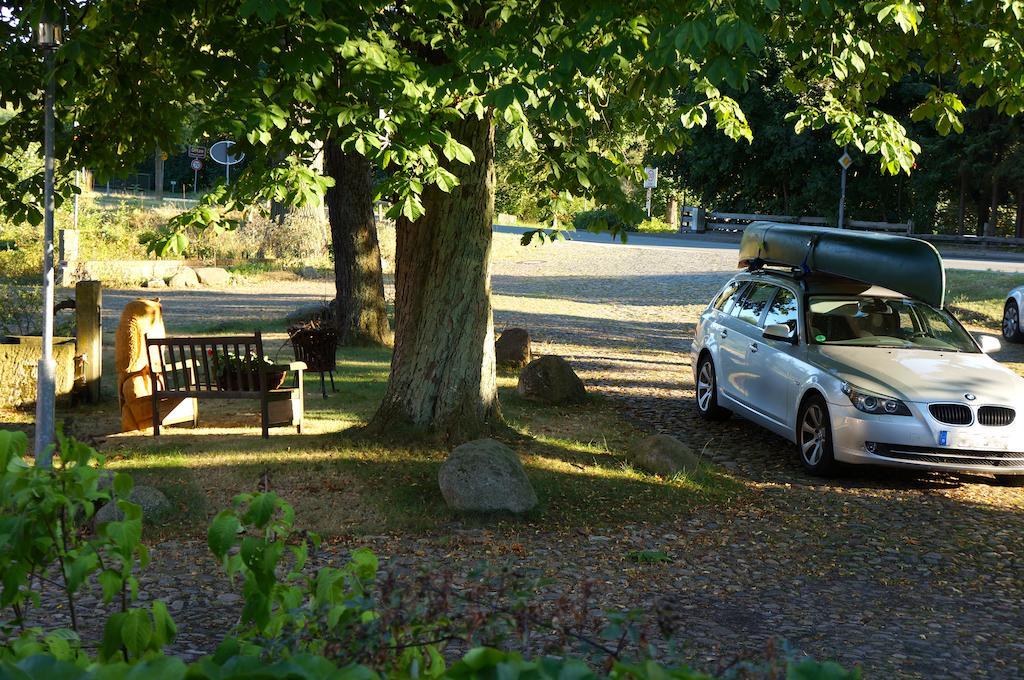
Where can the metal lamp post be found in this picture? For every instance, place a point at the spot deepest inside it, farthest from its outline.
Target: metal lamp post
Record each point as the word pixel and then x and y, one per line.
pixel 49 36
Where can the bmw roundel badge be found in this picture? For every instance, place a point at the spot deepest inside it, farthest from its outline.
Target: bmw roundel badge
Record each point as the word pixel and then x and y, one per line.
pixel 969 397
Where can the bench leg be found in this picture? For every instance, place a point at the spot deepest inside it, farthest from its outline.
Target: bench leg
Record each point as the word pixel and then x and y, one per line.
pixel 333 388
pixel 302 404
pixel 156 411
pixel 323 385
pixel 265 415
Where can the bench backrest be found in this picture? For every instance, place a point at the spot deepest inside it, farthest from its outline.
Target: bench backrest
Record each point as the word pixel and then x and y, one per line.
pixel 212 364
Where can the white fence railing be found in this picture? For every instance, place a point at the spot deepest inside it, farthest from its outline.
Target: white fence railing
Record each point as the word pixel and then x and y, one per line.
pixel 696 219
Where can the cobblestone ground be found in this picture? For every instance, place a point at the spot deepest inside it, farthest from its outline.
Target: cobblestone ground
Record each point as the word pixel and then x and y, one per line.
pixel 905 575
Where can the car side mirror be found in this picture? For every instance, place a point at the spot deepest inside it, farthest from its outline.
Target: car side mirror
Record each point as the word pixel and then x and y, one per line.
pixel 989 344
pixel 782 332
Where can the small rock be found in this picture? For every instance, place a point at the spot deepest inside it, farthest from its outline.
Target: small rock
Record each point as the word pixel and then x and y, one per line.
pixel 485 476
pixel 154 506
pixel 213 276
pixel 550 380
pixel 663 455
pixel 185 278
pixel 229 598
pixel 512 348
pixel 310 273
pixel 154 283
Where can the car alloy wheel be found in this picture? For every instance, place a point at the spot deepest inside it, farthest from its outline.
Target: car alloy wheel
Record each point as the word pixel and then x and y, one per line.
pixel 705 385
pixel 815 437
pixel 1011 322
pixel 707 392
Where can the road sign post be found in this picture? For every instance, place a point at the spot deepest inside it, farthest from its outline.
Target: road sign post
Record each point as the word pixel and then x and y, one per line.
pixel 650 183
pixel 196 165
pixel 845 161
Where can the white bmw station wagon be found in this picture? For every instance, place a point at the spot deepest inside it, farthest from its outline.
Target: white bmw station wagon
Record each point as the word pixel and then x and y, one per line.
pixel 856 373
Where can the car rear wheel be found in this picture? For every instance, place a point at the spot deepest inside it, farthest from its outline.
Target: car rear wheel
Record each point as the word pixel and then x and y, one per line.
pixel 1010 480
pixel 1011 322
pixel 707 391
pixel 814 436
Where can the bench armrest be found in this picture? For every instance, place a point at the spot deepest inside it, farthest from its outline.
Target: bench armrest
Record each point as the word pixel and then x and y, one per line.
pixel 293 366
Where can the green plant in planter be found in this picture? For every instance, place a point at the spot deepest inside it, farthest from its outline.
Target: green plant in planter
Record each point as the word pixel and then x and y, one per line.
pixel 235 371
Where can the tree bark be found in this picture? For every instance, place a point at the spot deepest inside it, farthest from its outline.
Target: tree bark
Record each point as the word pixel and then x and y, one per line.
pixel 993 208
pixel 442 379
pixel 361 313
pixel 962 206
pixel 1018 223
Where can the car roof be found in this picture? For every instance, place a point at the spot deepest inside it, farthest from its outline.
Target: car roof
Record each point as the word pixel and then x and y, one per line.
pixel 817 283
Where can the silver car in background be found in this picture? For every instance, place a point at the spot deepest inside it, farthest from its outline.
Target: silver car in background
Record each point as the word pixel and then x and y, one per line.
pixel 854 373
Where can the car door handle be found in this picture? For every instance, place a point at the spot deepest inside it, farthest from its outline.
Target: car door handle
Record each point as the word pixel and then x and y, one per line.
pixel 753 347
pixel 725 332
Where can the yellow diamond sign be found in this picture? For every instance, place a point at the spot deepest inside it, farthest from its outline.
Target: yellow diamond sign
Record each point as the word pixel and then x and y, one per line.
pixel 845 161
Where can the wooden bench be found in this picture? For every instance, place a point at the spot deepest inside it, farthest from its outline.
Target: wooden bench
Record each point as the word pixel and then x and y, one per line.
pixel 205 368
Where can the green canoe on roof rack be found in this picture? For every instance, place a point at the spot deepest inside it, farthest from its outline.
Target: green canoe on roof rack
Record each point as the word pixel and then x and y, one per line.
pixel 908 266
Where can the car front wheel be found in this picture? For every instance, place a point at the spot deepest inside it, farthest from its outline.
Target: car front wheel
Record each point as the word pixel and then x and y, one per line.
pixel 1011 322
pixel 707 391
pixel 814 435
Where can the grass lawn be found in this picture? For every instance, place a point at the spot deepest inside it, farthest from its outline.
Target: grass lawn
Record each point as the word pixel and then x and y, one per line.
pixel 979 296
pixel 343 484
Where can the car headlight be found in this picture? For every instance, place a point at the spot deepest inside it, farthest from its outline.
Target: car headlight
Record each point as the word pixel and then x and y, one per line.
pixel 875 404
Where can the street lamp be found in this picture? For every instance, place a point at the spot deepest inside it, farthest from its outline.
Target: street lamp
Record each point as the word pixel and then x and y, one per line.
pixel 49 38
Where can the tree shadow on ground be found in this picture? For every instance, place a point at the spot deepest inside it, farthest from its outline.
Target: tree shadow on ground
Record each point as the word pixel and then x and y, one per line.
pixel 633 290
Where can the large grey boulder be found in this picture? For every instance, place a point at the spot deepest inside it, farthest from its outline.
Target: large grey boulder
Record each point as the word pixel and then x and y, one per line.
pixel 185 278
pixel 154 283
pixel 485 476
pixel 154 506
pixel 512 348
pixel 213 276
pixel 663 455
pixel 550 380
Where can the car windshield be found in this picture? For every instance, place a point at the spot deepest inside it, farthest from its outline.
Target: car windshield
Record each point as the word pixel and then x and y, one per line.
pixel 885 322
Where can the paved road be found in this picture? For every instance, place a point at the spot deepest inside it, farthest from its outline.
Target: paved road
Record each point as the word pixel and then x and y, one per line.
pixel 994 261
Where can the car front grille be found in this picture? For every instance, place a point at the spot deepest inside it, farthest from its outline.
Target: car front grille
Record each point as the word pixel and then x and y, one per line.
pixel 998 416
pixel 951 414
pixel 923 454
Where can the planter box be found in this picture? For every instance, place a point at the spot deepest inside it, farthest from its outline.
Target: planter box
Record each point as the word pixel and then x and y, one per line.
pixel 19 357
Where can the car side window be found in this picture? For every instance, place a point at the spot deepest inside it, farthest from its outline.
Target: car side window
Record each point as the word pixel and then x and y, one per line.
pixel 782 310
pixel 728 298
pixel 754 302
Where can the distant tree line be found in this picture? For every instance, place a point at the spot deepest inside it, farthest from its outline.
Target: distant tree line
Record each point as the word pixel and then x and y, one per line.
pixel 970 183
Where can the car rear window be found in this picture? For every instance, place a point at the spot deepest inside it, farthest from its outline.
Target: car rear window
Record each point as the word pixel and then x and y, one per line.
pixel 729 296
pixel 753 303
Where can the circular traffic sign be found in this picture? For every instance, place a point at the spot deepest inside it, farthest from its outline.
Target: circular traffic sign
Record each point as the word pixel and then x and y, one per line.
pixel 223 153
pixel 196 164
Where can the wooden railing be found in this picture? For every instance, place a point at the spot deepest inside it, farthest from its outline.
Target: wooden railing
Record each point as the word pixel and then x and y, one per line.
pixel 696 219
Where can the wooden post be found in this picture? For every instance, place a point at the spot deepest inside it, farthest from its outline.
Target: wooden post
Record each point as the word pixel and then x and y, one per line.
pixel 698 219
pixel 673 213
pixel 89 321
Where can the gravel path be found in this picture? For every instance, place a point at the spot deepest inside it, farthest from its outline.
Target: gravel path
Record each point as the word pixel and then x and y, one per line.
pixel 906 575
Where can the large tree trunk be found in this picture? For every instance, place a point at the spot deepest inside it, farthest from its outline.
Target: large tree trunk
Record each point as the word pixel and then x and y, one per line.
pixel 361 314
pixel 442 373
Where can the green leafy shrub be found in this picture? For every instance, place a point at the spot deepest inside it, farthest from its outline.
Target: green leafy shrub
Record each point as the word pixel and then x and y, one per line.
pixel 598 220
pixel 21 312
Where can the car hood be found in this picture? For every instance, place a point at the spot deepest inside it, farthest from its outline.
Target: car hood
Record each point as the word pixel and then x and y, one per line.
pixel 921 375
